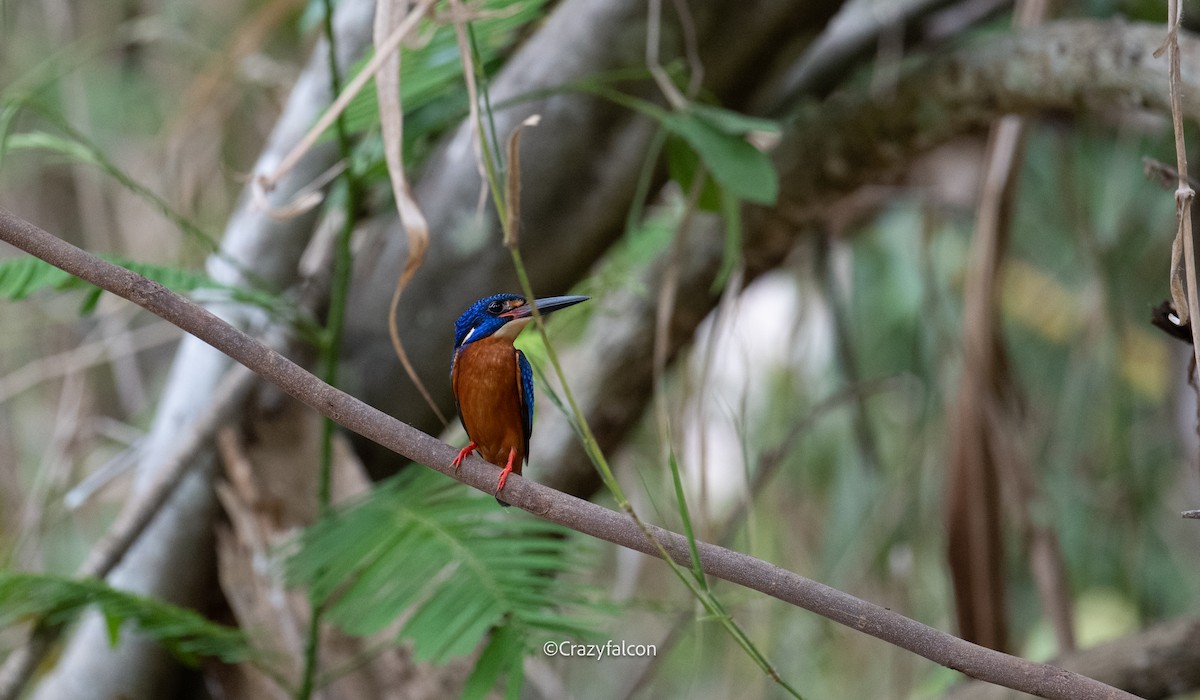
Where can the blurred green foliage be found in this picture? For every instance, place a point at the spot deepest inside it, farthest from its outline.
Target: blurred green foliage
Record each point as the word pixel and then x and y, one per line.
pixel 1101 392
pixel 457 570
pixel 60 600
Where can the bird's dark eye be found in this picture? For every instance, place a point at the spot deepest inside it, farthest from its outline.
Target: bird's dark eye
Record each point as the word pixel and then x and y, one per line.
pixel 495 307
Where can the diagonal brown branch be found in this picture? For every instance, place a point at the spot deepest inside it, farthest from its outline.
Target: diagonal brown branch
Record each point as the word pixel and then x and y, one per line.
pixel 581 516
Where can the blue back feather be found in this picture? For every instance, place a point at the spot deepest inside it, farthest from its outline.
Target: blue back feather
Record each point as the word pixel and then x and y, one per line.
pixel 526 398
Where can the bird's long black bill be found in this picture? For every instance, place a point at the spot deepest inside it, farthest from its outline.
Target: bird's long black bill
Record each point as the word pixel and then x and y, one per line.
pixel 547 305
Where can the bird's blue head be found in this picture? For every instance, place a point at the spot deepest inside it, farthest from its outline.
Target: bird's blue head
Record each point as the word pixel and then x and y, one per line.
pixel 504 315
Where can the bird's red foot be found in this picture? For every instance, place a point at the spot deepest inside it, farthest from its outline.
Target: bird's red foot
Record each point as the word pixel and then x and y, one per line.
pixel 508 469
pixel 462 454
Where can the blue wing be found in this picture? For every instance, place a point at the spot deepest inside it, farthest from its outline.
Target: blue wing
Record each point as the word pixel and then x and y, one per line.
pixel 525 391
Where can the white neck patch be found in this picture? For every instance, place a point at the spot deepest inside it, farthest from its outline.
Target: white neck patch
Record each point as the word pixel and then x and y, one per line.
pixel 512 329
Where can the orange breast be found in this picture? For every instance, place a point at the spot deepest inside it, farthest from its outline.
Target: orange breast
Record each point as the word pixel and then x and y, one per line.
pixel 486 381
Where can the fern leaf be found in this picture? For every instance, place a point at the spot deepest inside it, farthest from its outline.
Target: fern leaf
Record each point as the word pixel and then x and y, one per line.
pixel 183 632
pixel 22 276
pixel 25 275
pixel 462 571
pixel 503 653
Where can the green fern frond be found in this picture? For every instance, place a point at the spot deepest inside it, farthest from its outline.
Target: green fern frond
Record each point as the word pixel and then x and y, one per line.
pixel 456 565
pixel 22 276
pixel 58 600
pixel 25 275
pixel 502 654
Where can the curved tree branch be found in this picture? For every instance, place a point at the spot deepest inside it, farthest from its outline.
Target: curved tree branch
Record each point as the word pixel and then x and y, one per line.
pixel 581 516
pixel 854 138
pixel 1161 662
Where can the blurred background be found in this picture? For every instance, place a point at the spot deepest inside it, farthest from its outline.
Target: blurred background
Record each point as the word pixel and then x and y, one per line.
pixel 811 381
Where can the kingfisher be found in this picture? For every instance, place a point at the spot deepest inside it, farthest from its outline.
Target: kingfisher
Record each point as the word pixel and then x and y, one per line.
pixel 493 382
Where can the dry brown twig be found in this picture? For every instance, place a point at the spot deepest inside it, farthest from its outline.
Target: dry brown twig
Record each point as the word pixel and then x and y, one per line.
pixel 1185 298
pixel 459 16
pixel 389 18
pixel 512 182
pixel 987 411
pixel 665 86
pixel 1183 249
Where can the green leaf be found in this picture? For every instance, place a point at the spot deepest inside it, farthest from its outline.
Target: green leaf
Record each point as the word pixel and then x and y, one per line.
pixel 41 140
pixel 731 256
pixel 90 301
pixel 731 122
pixel 25 275
pixel 719 138
pixel 183 632
pixel 738 166
pixel 685 516
pixel 112 624
pixel 504 651
pixel 683 164
pixel 457 565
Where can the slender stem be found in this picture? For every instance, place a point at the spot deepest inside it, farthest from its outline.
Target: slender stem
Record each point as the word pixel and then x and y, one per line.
pixel 331 346
pixel 696 585
pixel 340 287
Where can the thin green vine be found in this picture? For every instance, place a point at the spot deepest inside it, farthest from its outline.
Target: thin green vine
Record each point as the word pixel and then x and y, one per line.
pixel 331 344
pixel 697 585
